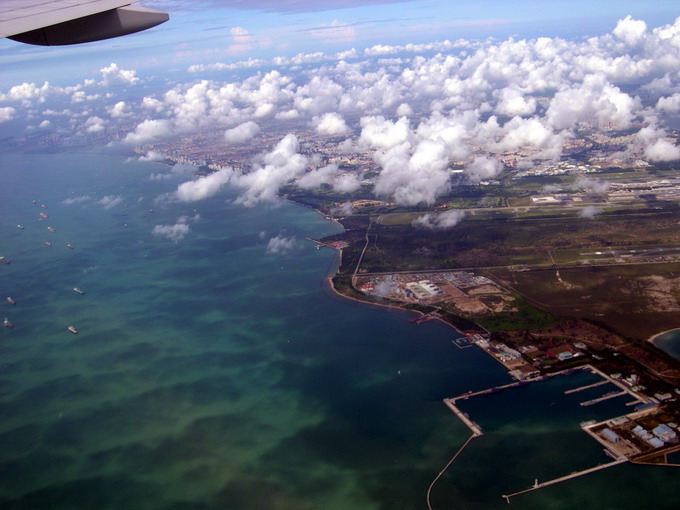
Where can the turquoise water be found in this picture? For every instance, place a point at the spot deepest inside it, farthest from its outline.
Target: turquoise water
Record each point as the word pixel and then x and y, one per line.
pixel 209 374
pixel 670 343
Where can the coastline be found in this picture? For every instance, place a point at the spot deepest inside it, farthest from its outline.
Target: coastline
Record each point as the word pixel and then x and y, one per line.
pixel 653 338
pixel 328 283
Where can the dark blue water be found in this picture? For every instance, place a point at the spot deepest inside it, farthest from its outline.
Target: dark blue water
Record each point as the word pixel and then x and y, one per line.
pixel 670 343
pixel 210 374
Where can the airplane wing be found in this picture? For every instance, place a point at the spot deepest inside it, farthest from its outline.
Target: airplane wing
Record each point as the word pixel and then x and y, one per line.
pixel 59 22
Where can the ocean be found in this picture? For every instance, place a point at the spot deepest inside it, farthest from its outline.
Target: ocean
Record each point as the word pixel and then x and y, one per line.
pixel 210 372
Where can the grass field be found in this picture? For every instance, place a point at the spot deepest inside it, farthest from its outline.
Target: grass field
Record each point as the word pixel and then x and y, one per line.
pixel 636 301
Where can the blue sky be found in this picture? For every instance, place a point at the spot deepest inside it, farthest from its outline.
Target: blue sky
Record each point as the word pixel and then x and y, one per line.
pixel 205 31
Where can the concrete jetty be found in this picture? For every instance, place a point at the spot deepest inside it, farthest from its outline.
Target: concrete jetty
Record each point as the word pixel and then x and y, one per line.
pixel 476 429
pixel 582 388
pixel 541 485
pixel 597 400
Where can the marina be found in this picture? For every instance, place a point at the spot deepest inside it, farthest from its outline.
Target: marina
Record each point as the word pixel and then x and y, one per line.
pixel 619 450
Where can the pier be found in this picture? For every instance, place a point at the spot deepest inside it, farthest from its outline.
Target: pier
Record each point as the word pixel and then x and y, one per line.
pixel 571 476
pixel 476 429
pixel 597 400
pixel 489 391
pixel 582 388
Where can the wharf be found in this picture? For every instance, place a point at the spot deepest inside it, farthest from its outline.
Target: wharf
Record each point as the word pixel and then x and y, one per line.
pixel 476 429
pixel 489 391
pixel 571 476
pixel 582 388
pixel 597 400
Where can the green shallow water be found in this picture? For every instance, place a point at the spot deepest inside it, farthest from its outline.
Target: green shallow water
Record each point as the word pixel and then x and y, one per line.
pixel 208 374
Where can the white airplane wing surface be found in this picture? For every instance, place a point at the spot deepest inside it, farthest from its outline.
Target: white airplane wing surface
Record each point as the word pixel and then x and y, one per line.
pixel 59 22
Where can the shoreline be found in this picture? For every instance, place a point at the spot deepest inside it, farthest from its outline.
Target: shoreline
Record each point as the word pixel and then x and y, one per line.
pixel 329 284
pixel 652 339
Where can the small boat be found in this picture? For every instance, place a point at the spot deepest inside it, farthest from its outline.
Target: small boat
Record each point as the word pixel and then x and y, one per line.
pixel 43 215
pixel 35 201
pixel 20 227
pixel 69 246
pixel 4 260
pixel 73 330
pixel 10 301
pixel 7 323
pixel 47 243
pixel 76 289
pixel 51 229
pixel 43 206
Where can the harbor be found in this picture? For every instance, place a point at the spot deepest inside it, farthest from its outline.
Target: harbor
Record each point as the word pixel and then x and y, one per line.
pixel 652 446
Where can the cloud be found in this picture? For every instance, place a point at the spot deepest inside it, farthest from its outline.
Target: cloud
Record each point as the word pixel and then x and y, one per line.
pixel 483 168
pixel 120 109
pixel 175 232
pixel 271 171
pixel 591 186
pixel 178 231
pixel 242 133
pixel 334 32
pixel 178 170
pixel 280 245
pixel 148 131
pixel 380 133
pixel 347 183
pixel 662 150
pixel 512 102
pixel 76 200
pixel 669 104
pixel 203 187
pixel 439 221
pixel 630 31
pixel 589 212
pixel 113 75
pixel 596 101
pixel 111 201
pixel 95 124
pixel 7 113
pixel 331 124
pixel 384 288
pixel 315 178
pixel 344 209
pixel 242 41
pixel 152 156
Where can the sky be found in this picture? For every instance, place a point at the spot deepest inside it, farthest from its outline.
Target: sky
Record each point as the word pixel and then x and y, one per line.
pixel 415 86
pixel 203 31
